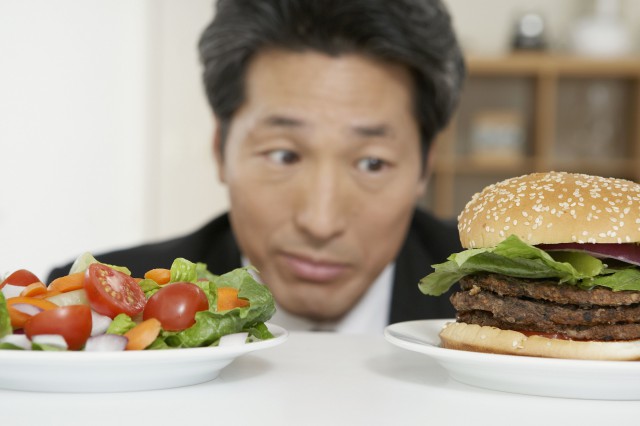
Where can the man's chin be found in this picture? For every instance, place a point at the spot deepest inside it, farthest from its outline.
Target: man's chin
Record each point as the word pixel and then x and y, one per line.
pixel 309 308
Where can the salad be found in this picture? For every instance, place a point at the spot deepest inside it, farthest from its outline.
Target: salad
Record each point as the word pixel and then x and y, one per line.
pixel 100 307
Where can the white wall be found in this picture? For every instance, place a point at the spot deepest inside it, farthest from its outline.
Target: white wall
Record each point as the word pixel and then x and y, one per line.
pixel 104 132
pixel 188 189
pixel 104 129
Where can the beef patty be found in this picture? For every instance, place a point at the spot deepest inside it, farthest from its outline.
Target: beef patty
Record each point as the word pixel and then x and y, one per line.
pixel 545 307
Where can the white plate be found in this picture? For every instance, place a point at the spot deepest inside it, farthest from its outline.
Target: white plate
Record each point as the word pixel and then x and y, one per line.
pixel 121 371
pixel 617 380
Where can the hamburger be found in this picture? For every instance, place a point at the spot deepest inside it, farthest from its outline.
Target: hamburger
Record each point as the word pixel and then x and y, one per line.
pixel 551 269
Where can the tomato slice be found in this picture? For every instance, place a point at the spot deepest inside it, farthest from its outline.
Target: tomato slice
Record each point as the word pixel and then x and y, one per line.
pixel 175 305
pixel 71 322
pixel 112 292
pixel 21 278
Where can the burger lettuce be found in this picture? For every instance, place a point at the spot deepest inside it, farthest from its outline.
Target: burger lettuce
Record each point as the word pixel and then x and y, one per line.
pixel 515 258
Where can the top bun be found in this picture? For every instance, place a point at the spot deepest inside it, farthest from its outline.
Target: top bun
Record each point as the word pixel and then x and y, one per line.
pixel 551 208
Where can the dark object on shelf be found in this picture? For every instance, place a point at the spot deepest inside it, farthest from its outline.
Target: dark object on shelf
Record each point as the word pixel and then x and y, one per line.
pixel 530 32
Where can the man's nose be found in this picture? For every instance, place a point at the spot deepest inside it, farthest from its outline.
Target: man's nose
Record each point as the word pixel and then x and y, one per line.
pixel 323 204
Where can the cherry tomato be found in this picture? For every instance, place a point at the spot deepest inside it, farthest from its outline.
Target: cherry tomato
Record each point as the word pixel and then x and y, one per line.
pixel 21 278
pixel 111 292
pixel 175 305
pixel 71 322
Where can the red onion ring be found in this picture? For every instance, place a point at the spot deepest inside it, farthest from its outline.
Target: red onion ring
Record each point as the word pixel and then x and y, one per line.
pixel 629 252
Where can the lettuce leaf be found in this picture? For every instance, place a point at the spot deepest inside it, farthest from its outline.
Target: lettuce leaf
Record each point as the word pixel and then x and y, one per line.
pixel 259 332
pixel 120 324
pixel 624 279
pixel 10 346
pixel 149 287
pixel 211 325
pixel 5 320
pixel 516 258
pixel 47 348
pixel 183 270
pixel 85 259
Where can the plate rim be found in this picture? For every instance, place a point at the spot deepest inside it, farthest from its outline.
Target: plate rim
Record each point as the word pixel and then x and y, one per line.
pixel 435 351
pixel 537 376
pixel 128 371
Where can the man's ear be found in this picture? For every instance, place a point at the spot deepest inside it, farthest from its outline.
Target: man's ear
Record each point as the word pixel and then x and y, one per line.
pixel 217 153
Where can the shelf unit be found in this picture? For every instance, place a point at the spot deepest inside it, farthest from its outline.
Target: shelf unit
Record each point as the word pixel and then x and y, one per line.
pixel 549 92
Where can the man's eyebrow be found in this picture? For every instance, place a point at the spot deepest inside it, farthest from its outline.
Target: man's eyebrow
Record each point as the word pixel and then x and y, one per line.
pixel 366 131
pixel 376 131
pixel 283 121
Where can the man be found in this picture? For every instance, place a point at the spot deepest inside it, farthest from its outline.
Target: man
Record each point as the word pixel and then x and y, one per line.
pixel 325 114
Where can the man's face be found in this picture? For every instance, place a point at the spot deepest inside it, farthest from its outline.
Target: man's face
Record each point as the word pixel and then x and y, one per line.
pixel 323 168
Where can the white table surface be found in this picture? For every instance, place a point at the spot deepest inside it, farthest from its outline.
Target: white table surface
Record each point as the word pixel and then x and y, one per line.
pixel 317 379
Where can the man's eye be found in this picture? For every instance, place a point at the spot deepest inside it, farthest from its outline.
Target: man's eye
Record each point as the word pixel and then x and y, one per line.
pixel 371 164
pixel 283 156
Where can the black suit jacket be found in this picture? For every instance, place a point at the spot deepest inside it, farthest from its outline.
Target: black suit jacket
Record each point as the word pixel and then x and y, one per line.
pixel 428 241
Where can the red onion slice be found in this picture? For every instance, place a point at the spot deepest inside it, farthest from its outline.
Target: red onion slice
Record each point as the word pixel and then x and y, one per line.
pixel 27 308
pixel 10 290
pixel 50 339
pixel 629 253
pixel 19 340
pixel 99 323
pixel 106 342
pixel 235 339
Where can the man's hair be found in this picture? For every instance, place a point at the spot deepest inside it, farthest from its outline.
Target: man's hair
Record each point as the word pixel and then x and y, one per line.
pixel 414 33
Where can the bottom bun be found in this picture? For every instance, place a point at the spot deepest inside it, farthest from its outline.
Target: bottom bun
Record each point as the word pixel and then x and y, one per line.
pixel 476 338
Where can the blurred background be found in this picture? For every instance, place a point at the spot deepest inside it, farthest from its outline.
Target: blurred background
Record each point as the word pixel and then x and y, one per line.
pixel 105 134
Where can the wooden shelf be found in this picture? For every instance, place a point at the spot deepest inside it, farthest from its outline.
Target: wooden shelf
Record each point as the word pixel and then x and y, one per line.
pixel 529 64
pixel 545 76
pixel 471 166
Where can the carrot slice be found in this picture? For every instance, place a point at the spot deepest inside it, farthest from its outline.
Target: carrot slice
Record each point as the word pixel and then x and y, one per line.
pixel 48 294
pixel 68 283
pixel 34 289
pixel 159 275
pixel 40 303
pixel 143 334
pixel 228 299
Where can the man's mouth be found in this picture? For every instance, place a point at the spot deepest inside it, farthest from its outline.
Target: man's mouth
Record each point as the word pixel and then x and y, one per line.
pixel 313 270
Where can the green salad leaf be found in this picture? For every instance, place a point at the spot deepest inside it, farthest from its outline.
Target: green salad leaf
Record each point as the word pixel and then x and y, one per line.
pixel 210 325
pixel 5 320
pixel 10 346
pixel 85 259
pixel 149 287
pixel 121 324
pixel 516 258
pixel 183 270
pixel 46 347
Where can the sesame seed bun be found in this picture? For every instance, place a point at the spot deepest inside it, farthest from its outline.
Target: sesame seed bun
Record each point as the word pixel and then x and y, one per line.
pixel 551 208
